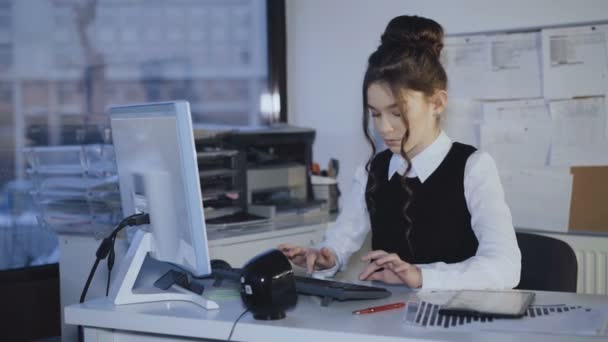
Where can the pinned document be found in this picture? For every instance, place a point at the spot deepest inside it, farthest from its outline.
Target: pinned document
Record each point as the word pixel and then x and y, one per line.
pixel 466 60
pixel 516 110
pixel 579 132
pixel 462 119
pixel 515 67
pixel 516 133
pixel 525 189
pixel 516 144
pixel 575 61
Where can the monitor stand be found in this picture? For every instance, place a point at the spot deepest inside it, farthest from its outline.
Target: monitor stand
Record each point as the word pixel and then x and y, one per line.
pixel 122 291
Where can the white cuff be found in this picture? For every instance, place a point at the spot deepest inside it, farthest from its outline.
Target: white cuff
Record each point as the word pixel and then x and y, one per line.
pixel 328 272
pixel 431 278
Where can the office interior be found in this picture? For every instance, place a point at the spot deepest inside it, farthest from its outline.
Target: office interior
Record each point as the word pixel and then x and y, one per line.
pixel 274 91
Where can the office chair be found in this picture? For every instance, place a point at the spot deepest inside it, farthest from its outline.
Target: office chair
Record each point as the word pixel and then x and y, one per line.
pixel 547 264
pixel 30 307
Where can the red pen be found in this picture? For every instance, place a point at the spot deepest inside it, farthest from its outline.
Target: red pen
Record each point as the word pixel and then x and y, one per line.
pixel 379 308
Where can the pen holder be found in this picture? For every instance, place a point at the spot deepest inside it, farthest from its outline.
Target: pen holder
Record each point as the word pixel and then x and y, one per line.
pixel 326 188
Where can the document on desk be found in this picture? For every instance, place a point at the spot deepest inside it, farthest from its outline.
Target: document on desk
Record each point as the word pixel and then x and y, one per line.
pixel 578 132
pixel 562 319
pixel 575 61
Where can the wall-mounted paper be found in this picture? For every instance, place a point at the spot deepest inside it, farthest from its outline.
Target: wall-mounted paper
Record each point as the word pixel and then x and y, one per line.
pixel 515 66
pixel 575 61
pixel 461 121
pixel 517 110
pixel 516 133
pixel 539 199
pixel 578 132
pixel 516 144
pixel 466 60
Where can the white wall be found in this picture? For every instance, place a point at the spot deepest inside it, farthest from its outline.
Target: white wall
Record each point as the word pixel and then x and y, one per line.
pixel 328 42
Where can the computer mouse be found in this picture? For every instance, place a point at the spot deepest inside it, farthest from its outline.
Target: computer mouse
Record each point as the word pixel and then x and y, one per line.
pixel 219 264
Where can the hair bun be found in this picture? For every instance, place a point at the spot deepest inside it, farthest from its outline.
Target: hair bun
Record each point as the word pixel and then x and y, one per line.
pixel 414 31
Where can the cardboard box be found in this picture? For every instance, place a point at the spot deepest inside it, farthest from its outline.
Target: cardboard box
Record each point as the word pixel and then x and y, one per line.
pixel 589 204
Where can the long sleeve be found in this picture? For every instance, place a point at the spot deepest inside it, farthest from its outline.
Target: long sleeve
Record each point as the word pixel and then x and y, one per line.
pixel 348 233
pixel 497 262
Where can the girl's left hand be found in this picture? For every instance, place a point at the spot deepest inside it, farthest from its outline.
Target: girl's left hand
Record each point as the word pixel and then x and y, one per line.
pixel 389 268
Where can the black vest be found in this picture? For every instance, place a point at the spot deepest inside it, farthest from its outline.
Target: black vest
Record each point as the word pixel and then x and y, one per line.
pixel 440 220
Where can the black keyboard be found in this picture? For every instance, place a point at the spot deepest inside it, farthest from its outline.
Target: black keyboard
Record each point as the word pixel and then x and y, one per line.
pixel 328 289
pixel 338 290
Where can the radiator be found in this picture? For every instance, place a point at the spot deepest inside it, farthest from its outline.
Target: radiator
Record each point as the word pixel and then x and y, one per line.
pixel 592 256
pixel 592 277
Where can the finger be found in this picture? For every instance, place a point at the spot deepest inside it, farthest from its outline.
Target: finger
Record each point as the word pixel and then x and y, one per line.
pixel 286 247
pixel 296 251
pixel 368 270
pixel 389 258
pixel 326 252
pixel 404 267
pixel 373 255
pixel 310 261
pixel 328 257
pixel 379 276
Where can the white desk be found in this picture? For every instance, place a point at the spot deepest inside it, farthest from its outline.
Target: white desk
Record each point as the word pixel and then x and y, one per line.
pixel 172 321
pixel 233 245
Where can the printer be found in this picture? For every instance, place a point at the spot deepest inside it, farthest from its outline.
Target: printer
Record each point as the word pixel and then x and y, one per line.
pixel 271 176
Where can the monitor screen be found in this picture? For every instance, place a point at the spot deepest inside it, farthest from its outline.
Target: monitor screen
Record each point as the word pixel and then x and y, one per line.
pixel 158 173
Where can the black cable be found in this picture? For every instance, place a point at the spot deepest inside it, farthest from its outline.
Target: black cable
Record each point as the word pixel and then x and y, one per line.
pixel 235 322
pixel 106 247
pixel 89 279
pixel 133 220
pixel 110 264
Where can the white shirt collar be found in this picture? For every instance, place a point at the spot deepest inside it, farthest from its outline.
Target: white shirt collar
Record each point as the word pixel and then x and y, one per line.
pixel 425 163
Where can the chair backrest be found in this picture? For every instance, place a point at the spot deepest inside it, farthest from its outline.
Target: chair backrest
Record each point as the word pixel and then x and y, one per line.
pixel 547 264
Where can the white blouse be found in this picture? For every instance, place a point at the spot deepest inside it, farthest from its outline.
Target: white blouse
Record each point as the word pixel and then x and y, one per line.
pixel 497 263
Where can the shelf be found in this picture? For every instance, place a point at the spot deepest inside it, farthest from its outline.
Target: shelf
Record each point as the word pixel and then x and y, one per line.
pixel 216 173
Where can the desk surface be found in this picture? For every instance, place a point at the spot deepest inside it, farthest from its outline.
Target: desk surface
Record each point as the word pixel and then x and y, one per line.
pixel 309 321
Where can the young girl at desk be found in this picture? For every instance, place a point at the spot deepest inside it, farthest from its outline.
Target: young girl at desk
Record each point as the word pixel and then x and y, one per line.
pixel 435 208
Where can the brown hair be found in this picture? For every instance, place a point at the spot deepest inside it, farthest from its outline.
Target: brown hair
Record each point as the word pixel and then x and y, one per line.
pixel 407 59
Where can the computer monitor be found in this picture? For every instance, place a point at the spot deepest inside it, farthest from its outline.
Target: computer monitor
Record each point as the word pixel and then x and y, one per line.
pixel 158 174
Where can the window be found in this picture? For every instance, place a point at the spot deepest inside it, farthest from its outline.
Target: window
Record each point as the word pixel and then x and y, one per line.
pixel 63 62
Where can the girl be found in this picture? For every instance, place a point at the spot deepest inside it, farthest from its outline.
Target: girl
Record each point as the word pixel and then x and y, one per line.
pixel 435 208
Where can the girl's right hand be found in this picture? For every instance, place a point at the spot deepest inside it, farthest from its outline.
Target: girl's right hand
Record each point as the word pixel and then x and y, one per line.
pixel 310 258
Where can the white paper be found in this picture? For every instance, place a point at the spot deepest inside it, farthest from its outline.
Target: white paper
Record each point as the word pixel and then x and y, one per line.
pixel 515 67
pixel 105 35
pixel 539 199
pixel 461 121
pixel 175 34
pixel 516 144
pixel 518 110
pixel 576 321
pixel 463 132
pixel 466 61
pixel 153 34
pixel 196 34
pixel 516 133
pixel 574 61
pixel 128 35
pixel 579 132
